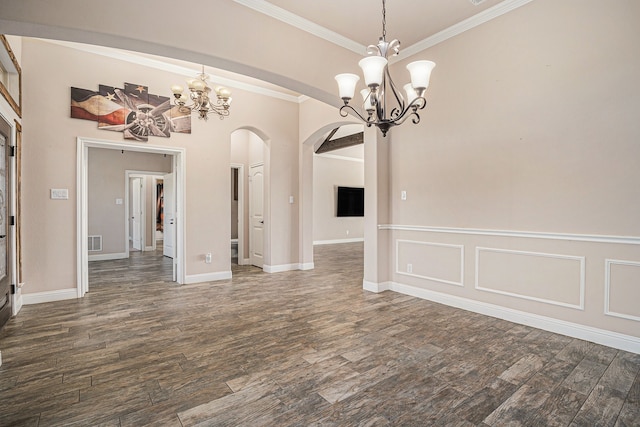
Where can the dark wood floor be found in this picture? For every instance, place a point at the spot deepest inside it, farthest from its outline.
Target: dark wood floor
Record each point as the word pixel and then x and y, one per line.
pixel 295 348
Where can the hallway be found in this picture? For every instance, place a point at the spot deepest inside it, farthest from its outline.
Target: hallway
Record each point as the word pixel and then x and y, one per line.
pixel 294 348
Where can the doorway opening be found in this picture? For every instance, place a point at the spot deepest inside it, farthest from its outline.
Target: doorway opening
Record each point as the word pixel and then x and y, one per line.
pixel 249 184
pixel 144 210
pixel 237 214
pixel 175 159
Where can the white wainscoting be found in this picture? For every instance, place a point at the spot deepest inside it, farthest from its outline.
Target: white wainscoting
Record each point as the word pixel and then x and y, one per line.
pixel 447 256
pixel 633 281
pixel 539 275
pixel 596 335
pixel 562 261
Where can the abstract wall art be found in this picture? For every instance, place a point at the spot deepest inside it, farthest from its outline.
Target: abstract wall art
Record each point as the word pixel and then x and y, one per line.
pixel 132 110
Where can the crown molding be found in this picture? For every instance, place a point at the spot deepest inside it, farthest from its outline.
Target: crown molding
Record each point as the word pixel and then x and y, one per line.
pixel 459 28
pixel 338 157
pixel 134 58
pixel 303 24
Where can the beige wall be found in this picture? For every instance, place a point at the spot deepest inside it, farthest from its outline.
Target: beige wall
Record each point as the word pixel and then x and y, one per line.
pixel 106 183
pixel 328 174
pixel 531 127
pixel 50 162
pixel 536 131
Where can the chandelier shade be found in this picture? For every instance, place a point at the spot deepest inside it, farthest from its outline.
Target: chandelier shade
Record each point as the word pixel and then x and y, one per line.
pixel 200 95
pixel 373 69
pixel 347 84
pixel 384 105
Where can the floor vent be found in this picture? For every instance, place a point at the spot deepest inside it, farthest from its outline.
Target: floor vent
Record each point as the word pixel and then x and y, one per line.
pixel 95 243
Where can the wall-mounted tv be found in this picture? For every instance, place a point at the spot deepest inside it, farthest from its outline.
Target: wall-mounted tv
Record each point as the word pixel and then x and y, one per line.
pixel 350 201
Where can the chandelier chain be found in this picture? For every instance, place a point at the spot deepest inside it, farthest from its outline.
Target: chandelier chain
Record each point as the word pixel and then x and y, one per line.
pixel 384 20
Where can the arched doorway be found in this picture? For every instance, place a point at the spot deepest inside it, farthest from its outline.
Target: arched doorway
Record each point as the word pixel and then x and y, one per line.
pixel 249 199
pixel 309 146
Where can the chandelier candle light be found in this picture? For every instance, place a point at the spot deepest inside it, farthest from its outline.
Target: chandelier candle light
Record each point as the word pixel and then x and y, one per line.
pixel 200 95
pixel 375 68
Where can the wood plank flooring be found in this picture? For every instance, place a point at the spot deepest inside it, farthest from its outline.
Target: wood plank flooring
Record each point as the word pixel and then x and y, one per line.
pixel 294 349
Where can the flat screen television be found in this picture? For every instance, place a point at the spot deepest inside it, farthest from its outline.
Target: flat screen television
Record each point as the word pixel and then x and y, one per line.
pixel 350 201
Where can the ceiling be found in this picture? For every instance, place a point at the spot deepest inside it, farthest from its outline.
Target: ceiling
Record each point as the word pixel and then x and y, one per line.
pixel 409 21
pixel 278 41
pixel 356 24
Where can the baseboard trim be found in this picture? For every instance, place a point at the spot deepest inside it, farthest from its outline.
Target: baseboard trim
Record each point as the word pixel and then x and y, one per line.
pixel 375 287
pixel 18 305
pixel 335 241
pixel 588 333
pixel 107 257
pixel 49 296
pixel 307 266
pixel 207 277
pixel 280 268
pixel 148 248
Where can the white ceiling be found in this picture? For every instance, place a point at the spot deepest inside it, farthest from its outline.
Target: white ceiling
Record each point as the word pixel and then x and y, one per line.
pixel 267 46
pixel 409 21
pixel 356 24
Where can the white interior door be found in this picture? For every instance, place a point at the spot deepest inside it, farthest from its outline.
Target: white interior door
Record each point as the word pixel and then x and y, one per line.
pixel 169 226
pixel 136 213
pixel 256 215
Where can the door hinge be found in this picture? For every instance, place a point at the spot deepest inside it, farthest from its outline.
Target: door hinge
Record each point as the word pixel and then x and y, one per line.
pixel 12 220
pixel 12 151
pixel 13 289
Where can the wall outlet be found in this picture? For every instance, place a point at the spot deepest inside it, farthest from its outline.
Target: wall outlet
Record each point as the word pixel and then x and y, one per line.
pixel 207 258
pixel 347 232
pixel 409 268
pixel 403 195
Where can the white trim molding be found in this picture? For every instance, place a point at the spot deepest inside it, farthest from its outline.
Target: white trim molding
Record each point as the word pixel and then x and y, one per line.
pixel 375 287
pixel 303 24
pixel 588 333
pixel 434 279
pixel 582 282
pixel 459 28
pixel 338 241
pixel 592 238
pixel 307 266
pixel 287 267
pixel 49 296
pixel 607 287
pixel 188 72
pixel 207 277
pixel 106 257
pixel 337 157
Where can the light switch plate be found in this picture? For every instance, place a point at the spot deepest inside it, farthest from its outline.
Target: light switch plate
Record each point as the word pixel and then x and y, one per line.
pixel 59 193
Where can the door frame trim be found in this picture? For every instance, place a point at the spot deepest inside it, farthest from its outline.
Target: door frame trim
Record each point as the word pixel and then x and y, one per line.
pixel 179 162
pixel 241 172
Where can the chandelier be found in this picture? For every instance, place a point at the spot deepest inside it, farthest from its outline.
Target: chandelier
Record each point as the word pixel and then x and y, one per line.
pixel 200 96
pixel 382 112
